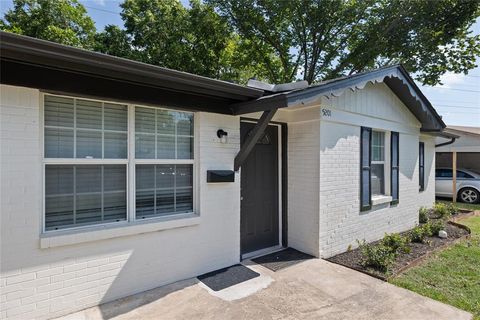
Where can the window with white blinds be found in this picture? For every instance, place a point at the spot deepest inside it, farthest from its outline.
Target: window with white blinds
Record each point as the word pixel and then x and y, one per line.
pixel 163 134
pixel 163 189
pixel 78 128
pixel 87 163
pixel 77 195
pixel 164 145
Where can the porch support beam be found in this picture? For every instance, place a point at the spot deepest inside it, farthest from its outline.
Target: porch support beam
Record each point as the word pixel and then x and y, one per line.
pixel 454 176
pixel 252 139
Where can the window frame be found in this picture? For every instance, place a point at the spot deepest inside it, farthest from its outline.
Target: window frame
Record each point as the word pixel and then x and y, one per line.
pixel 155 161
pixel 387 135
pixel 129 163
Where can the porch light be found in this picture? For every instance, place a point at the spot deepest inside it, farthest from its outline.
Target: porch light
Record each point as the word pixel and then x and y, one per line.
pixel 222 135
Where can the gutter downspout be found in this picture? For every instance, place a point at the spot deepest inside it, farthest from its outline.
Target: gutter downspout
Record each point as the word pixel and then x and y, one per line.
pixel 445 143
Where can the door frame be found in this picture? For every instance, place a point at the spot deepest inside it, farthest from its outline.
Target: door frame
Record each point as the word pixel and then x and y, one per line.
pixel 282 184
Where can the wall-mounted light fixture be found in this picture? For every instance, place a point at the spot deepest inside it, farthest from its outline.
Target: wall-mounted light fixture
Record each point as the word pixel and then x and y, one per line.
pixel 222 135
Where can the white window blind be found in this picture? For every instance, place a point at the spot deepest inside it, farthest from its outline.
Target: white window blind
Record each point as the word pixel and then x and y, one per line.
pixel 78 128
pixel 164 179
pixel 77 195
pixel 163 134
pixel 87 162
pixel 163 190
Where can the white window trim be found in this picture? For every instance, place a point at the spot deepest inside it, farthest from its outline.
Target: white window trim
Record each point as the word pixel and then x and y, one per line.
pixel 104 230
pixel 135 161
pixel 386 197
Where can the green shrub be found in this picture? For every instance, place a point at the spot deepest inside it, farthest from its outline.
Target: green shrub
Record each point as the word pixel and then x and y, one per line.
pixel 423 215
pixel 436 226
pixel 395 242
pixel 420 233
pixel 442 210
pixel 377 256
pixel 452 209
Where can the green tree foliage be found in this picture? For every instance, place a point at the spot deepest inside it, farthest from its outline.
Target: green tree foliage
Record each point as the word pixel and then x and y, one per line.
pixel 116 42
pixel 276 41
pixel 322 39
pixel 193 39
pixel 62 21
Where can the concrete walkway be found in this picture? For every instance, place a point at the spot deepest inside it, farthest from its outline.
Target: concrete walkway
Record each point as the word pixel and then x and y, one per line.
pixel 314 289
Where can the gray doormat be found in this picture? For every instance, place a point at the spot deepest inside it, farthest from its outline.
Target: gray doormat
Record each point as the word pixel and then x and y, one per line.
pixel 227 277
pixel 282 259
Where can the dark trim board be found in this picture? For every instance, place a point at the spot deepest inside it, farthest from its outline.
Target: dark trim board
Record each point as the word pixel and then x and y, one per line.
pixel 284 184
pixel 96 87
pixel 284 178
pixel 257 131
pixel 369 168
pixel 52 55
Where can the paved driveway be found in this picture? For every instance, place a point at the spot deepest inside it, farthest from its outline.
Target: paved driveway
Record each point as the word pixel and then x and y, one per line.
pixel 314 289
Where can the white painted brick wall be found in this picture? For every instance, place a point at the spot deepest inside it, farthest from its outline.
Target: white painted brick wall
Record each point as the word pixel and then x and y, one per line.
pixel 427 197
pixel 43 283
pixel 303 182
pixel 341 221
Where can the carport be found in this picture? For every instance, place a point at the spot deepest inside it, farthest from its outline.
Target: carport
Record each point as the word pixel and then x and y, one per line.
pixel 458 148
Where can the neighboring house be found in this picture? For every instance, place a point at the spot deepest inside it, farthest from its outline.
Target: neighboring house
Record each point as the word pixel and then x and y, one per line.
pixel 110 171
pixel 467 146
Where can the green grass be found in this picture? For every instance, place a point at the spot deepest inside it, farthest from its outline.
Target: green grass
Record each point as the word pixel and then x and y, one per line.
pixel 462 205
pixel 451 276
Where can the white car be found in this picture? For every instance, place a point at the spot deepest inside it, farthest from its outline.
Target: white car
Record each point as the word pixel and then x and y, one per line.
pixel 468 184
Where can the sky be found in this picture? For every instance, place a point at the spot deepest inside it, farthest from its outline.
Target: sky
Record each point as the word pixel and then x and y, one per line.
pixel 457 100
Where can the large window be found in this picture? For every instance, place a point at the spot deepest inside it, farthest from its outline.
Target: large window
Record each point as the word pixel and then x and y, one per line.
pixel 87 144
pixel 378 163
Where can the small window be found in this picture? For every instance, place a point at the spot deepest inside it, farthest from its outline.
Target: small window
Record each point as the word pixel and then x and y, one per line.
pixel 378 163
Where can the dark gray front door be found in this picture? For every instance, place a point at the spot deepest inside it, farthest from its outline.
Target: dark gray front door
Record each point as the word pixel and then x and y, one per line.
pixel 259 191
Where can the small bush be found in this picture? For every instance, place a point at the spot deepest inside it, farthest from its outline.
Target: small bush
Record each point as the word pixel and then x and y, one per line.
pixel 436 226
pixel 420 233
pixel 442 210
pixel 452 209
pixel 395 242
pixel 378 256
pixel 423 215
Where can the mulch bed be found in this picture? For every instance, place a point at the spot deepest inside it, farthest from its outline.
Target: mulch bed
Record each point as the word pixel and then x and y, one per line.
pixel 353 259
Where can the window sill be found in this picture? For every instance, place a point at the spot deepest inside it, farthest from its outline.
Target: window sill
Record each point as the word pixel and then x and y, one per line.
pixel 376 200
pixel 96 233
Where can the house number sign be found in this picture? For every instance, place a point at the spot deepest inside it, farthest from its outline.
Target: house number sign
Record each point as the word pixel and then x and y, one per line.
pixel 326 113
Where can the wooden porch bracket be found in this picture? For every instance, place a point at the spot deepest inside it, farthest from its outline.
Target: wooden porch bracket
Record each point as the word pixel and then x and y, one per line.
pixel 252 139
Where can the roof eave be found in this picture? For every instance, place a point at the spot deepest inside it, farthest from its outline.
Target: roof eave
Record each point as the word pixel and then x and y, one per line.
pixel 395 77
pixel 48 54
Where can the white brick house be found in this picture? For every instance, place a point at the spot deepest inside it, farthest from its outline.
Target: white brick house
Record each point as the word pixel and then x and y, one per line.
pixel 109 168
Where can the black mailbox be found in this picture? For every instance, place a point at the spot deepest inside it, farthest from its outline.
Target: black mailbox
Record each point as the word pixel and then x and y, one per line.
pixel 220 176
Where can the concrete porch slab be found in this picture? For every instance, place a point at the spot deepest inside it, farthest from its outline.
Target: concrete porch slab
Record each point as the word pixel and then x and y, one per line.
pixel 314 289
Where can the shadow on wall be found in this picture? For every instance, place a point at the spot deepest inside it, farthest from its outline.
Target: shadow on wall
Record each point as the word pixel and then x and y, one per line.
pixel 342 143
pixel 115 268
pixel 149 267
